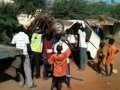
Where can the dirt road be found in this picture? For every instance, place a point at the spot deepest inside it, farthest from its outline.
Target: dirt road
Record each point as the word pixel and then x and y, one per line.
pixel 80 80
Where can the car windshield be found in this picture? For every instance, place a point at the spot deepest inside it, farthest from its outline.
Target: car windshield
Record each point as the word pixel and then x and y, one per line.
pixel 88 31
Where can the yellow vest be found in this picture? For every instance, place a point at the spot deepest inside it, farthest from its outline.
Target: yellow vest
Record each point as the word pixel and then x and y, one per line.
pixel 36 43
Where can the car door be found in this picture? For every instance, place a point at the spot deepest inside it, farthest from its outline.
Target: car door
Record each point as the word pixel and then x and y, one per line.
pixel 93 41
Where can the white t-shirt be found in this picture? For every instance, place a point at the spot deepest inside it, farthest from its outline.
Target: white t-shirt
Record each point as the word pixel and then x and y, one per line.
pixel 82 39
pixel 21 40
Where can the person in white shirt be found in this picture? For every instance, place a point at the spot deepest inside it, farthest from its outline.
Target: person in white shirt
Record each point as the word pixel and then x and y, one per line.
pixel 21 41
pixel 82 47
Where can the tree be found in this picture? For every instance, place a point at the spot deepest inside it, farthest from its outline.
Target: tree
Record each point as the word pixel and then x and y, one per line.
pixel 116 12
pixel 29 6
pixel 96 9
pixel 80 9
pixel 8 16
pixel 8 21
pixel 73 9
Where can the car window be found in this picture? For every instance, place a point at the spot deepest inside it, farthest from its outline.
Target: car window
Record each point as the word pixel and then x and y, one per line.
pixel 88 31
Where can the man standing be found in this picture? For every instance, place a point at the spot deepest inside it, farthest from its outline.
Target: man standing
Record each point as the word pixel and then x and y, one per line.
pixel 36 48
pixel 82 46
pixel 21 41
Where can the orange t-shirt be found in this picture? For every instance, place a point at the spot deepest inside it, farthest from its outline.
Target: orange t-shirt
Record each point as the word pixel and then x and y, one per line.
pixel 60 63
pixel 111 54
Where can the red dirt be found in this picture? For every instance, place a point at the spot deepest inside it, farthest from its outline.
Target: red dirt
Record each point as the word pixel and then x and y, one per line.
pixel 81 80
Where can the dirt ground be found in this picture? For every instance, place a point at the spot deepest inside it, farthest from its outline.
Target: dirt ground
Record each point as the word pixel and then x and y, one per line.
pixel 80 80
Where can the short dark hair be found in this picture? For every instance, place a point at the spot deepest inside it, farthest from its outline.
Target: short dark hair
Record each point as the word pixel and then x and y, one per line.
pixel 20 28
pixel 59 48
pixel 102 44
pixel 111 41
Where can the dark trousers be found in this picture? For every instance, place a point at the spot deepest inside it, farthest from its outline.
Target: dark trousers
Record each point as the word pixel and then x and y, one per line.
pixel 98 66
pixel 47 68
pixel 35 63
pixel 57 82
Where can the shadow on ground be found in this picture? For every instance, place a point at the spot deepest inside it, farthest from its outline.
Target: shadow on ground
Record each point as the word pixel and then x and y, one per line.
pixel 4 65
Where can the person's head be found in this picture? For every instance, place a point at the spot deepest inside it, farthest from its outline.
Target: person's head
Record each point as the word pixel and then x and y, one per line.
pixel 111 41
pixel 59 48
pixel 58 27
pixel 38 30
pixel 102 44
pixel 19 29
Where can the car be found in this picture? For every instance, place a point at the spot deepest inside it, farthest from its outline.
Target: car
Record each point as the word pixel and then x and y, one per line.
pixel 71 28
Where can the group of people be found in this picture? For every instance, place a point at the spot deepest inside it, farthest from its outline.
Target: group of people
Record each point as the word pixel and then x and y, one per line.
pixel 112 50
pixel 21 40
pixel 55 51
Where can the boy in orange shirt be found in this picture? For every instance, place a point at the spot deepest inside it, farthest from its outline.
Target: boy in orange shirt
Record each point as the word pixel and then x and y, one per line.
pixel 112 50
pixel 59 62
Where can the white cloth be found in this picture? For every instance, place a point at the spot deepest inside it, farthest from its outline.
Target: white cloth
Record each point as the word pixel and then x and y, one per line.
pixel 21 40
pixel 82 39
pixel 65 47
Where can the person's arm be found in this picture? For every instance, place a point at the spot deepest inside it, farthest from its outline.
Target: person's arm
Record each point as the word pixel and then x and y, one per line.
pixel 51 60
pixel 67 53
pixel 86 40
pixel 13 42
pixel 13 45
pixel 28 48
pixel 78 39
pixel 68 43
pixel 28 43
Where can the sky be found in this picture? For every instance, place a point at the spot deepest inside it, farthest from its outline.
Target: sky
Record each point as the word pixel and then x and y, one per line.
pixel 117 1
pixel 110 0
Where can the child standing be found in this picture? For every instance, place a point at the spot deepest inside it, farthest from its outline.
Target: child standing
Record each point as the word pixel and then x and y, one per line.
pixel 112 50
pixel 59 62
pixel 100 56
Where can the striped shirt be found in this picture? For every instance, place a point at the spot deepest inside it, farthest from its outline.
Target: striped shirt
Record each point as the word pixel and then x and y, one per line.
pixel 21 40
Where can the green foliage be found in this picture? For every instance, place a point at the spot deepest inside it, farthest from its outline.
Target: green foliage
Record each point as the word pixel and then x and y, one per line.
pixel 29 6
pixel 8 21
pixel 8 16
pixel 4 39
pixel 116 12
pixel 71 9
pixel 80 9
